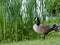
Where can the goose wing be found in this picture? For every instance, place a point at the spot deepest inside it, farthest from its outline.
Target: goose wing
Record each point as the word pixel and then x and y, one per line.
pixel 45 29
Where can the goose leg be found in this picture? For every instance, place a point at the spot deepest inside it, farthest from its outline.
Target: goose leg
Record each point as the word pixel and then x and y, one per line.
pixel 44 37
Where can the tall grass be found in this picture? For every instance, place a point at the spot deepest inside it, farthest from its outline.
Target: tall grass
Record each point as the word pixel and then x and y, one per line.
pixel 16 22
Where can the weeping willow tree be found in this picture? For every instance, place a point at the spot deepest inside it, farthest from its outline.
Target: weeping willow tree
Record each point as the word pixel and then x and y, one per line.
pixel 10 14
pixel 3 15
pixel 1 22
pixel 16 18
pixel 13 14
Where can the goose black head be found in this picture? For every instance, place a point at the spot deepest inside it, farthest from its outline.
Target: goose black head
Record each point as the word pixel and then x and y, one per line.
pixel 37 20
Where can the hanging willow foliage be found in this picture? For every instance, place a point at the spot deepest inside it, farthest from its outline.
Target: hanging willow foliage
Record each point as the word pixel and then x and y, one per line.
pixel 16 19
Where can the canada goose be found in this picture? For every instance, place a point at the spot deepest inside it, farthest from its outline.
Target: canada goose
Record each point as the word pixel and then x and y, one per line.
pixel 42 28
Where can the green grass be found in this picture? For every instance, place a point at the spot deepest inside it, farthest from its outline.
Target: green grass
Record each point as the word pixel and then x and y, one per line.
pixel 47 41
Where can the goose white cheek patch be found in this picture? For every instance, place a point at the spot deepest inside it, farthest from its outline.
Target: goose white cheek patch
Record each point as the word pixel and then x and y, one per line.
pixel 36 19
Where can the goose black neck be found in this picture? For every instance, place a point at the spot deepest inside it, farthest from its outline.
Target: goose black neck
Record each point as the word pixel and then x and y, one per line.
pixel 38 22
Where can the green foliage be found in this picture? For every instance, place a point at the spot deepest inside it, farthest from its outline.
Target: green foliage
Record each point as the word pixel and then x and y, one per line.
pixel 52 5
pixel 51 41
pixel 17 23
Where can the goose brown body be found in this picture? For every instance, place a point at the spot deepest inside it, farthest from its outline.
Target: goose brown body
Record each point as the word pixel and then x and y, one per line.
pixel 42 29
